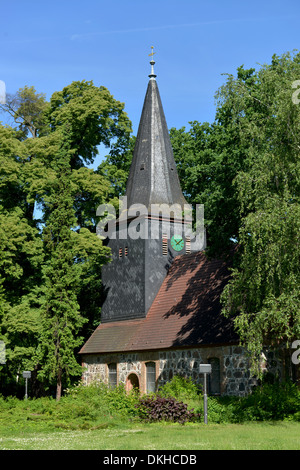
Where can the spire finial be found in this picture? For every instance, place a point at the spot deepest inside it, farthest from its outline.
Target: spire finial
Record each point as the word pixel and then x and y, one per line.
pixel 152 74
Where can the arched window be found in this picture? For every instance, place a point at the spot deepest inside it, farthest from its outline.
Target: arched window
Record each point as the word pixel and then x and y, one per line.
pixel 214 380
pixel 112 375
pixel 150 377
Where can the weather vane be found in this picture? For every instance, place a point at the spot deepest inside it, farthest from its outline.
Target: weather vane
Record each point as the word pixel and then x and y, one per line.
pixel 152 53
pixel 152 75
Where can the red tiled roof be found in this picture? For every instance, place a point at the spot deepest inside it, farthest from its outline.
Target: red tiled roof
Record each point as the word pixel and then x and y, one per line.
pixel 185 312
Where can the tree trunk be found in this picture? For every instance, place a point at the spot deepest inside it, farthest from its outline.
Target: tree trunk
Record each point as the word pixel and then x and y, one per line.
pixel 58 385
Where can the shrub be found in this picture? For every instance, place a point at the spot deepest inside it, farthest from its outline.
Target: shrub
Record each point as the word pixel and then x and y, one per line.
pixel 157 408
pixel 121 401
pixel 180 388
pixel 267 402
pixel 270 402
pixel 99 396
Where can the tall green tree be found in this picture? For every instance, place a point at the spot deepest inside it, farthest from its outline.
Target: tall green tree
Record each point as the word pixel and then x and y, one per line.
pixel 32 154
pixel 21 255
pixel 208 157
pixel 115 167
pixel 68 255
pixel 264 293
pixel 61 319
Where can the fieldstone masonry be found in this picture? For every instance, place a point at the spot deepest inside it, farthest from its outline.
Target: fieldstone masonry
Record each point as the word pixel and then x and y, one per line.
pixel 229 366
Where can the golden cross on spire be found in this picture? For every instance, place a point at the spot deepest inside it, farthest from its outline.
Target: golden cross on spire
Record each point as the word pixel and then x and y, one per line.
pixel 152 75
pixel 152 53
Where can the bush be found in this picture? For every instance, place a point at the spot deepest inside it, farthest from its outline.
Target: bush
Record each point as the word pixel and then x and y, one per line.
pixel 267 402
pixel 181 388
pixel 270 402
pixel 157 408
pixel 100 396
pixel 81 407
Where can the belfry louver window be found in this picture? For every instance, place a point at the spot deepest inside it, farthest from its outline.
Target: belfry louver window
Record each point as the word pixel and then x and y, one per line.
pixel 188 244
pixel 165 244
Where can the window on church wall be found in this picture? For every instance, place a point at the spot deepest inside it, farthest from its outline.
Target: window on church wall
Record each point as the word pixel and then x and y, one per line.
pixel 214 378
pixel 112 375
pixel 150 377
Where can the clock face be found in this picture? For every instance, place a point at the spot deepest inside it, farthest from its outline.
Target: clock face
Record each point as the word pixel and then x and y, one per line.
pixel 177 242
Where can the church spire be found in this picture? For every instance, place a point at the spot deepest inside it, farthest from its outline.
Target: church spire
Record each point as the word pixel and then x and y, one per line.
pixel 153 177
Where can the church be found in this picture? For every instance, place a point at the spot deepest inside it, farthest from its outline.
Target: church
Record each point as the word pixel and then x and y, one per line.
pixel 161 315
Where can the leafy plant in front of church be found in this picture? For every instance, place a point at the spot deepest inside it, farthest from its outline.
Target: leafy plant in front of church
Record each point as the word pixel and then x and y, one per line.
pixel 154 408
pixel 181 388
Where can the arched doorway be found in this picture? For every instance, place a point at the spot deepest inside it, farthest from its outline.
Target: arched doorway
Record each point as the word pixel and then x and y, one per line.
pixel 132 382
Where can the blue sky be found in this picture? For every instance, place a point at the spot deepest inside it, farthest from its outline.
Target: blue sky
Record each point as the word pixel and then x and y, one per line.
pixel 50 44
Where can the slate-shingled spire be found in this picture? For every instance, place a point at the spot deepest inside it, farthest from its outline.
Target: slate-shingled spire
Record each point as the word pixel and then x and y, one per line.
pixel 153 177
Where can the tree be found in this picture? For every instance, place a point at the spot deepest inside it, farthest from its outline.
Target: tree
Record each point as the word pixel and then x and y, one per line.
pixel 264 293
pixel 61 319
pixel 208 158
pixel 115 168
pixel 35 270
pixel 21 257
pixel 28 110
pixel 65 253
pixel 95 117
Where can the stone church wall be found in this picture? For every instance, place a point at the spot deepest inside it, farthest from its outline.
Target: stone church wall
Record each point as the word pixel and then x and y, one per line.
pixel 231 375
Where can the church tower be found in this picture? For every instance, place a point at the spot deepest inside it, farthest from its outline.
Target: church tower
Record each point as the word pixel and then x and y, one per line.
pixel 151 229
pixel 161 315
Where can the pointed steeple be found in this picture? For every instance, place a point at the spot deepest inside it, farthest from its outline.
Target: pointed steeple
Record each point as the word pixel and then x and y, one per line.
pixel 153 177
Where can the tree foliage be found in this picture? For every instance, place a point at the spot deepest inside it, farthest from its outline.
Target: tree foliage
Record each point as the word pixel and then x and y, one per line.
pixel 50 286
pixel 209 157
pixel 264 292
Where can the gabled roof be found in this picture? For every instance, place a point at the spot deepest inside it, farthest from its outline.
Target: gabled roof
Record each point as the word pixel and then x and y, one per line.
pixel 185 313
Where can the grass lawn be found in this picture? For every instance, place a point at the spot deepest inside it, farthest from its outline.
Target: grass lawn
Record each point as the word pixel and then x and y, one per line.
pixel 283 435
